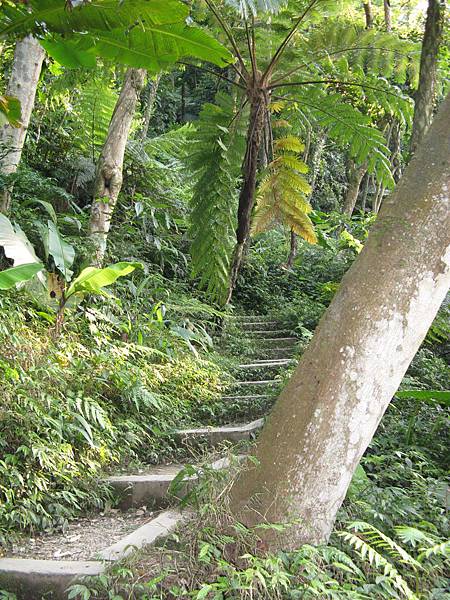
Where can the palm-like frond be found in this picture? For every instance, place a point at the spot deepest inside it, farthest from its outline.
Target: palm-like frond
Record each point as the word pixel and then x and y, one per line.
pixel 93 109
pixel 282 195
pixel 349 128
pixel 216 161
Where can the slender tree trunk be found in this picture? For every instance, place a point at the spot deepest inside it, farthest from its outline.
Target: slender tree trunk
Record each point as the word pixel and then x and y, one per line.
pixel 26 69
pixel 110 165
pixel 368 13
pixel 326 416
pixel 150 107
pixel 387 15
pixel 258 110
pixel 355 176
pixel 316 157
pixel 293 250
pixel 424 98
pixel 365 186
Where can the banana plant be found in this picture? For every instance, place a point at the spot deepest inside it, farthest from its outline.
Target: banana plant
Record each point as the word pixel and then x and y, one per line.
pixel 58 284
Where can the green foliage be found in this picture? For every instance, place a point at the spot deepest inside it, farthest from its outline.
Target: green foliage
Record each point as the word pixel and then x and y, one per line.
pixel 11 277
pixel 219 147
pixel 134 33
pixel 283 192
pixel 93 111
pixel 10 111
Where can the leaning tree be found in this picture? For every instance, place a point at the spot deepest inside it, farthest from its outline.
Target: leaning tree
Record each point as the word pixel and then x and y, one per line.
pixel 326 416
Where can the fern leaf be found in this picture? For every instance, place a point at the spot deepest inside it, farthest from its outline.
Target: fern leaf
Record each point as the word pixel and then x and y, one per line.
pixel 216 163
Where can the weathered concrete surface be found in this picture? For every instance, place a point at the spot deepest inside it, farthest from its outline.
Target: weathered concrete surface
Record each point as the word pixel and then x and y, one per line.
pixel 31 579
pixel 216 435
pixel 145 535
pixel 150 489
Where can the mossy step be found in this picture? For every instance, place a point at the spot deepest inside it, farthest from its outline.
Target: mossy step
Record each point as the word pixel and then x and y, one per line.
pixel 216 435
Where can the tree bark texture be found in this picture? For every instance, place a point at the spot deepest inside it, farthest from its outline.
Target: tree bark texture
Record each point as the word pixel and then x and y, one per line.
pixel 387 15
pixel 259 104
pixel 424 98
pixel 355 176
pixel 368 13
pixel 293 250
pixel 110 165
pixel 326 416
pixel 26 69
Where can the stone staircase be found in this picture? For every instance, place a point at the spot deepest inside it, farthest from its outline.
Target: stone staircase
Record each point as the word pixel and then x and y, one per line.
pixel 255 386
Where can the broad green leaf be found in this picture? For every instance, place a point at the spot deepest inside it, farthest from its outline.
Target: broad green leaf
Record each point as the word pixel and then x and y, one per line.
pixel 66 53
pixel 431 396
pixel 156 46
pixel 359 483
pixel 93 279
pixel 63 253
pixel 15 243
pixel 10 277
pixel 103 15
pixel 10 111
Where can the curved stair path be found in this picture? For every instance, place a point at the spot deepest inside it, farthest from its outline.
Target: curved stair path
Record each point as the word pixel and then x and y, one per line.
pixel 30 579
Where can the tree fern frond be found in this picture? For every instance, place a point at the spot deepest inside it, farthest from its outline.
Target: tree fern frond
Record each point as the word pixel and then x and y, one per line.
pixel 292 162
pixel 93 110
pixel 290 143
pixel 349 127
pixel 216 163
pixel 282 194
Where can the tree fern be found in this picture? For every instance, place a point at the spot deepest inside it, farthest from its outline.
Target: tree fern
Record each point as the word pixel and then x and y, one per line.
pixel 282 195
pixel 219 149
pixel 93 109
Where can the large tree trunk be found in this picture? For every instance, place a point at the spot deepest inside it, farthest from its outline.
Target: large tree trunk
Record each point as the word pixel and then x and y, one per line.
pixel 355 176
pixel 110 165
pixel 424 98
pixel 327 415
pixel 26 69
pixel 258 112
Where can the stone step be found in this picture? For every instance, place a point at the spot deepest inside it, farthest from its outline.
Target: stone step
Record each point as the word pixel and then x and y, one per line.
pixel 258 382
pixel 271 342
pixel 216 435
pixel 276 363
pixel 32 579
pixel 252 318
pixel 151 489
pixel 246 399
pixel 252 325
pixel 271 333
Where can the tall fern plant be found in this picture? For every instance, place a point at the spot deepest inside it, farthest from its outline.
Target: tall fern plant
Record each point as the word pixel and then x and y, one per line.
pixel 337 65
